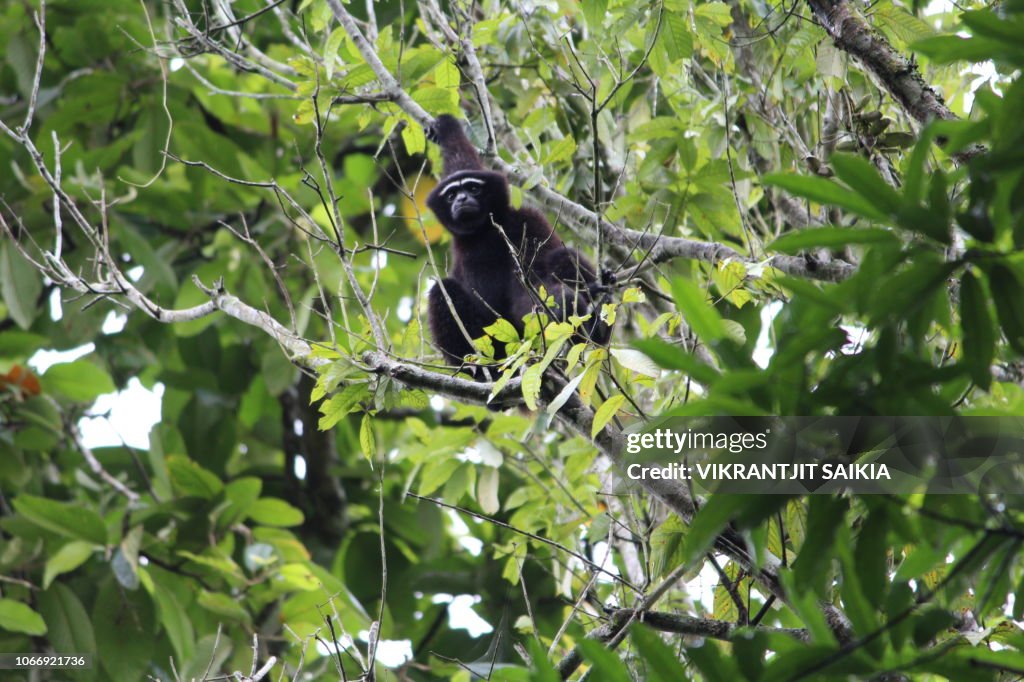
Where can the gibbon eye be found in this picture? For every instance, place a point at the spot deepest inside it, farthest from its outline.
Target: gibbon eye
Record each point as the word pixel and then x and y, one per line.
pixel 450 197
pixel 474 189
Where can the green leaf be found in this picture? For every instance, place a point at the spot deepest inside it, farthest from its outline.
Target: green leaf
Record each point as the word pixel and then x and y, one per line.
pixel 714 516
pixel 484 346
pixel 824 515
pixel 675 36
pixel 176 622
pixel 446 74
pixel 949 49
pixel 458 484
pixel 828 297
pixel 702 317
pixel 605 413
pixel 871 558
pixel 213 560
pixel 334 41
pixel 919 560
pixel 68 558
pixel 1006 290
pixel 436 101
pixel 561 150
pixel 1007 28
pixel 663 665
pixel 19 344
pixel 70 520
pixel 591 373
pixel 500 383
pixel 67 624
pixel 830 238
pixel 661 126
pixel 634 295
pixel 667 545
pixel 436 472
pixel 674 357
pixel 908 289
pixel 572 357
pixel 191 480
pixel 594 12
pixel 824 192
pixel 723 605
pixel 241 494
pixel 605 661
pixel 913 178
pixel 81 380
pixel 123 623
pixel 567 391
pixel 977 222
pixel 979 331
pixel 270 511
pixel 859 609
pixel 337 406
pixel 20 285
pixel 734 332
pixel 18 617
pixel 863 178
pixel 711 661
pixel 367 443
pixel 542 670
pixel 298 576
pixel 599 527
pixel 414 138
pixel 502 330
pixel 635 361
pixel 716 12
pixel 223 605
pixel 531 385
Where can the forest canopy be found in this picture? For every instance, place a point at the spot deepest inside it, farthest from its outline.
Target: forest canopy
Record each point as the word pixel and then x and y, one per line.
pixel 806 209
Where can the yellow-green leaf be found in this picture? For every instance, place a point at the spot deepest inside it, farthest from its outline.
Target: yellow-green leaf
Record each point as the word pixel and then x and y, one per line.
pixel 414 138
pixel 66 559
pixel 531 385
pixel 299 577
pixel 573 356
pixel 633 295
pixel 270 511
pixel 18 617
pixel 561 150
pixel 367 442
pixel 331 50
pixel 446 75
pixel 605 413
pixel 502 330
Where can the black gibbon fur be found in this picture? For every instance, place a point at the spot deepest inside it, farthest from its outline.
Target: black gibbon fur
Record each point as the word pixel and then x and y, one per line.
pixel 495 249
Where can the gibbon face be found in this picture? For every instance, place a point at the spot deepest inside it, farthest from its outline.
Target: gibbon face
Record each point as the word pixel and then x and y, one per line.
pixel 465 202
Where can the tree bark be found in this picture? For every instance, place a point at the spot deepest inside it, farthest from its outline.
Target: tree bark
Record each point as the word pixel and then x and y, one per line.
pixel 893 71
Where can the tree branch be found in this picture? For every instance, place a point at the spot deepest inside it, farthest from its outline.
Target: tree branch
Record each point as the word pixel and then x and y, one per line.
pixel 700 627
pixel 897 74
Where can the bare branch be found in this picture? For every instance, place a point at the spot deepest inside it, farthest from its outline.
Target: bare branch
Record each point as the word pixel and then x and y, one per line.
pixel 432 12
pixel 37 77
pixel 94 464
pixel 391 86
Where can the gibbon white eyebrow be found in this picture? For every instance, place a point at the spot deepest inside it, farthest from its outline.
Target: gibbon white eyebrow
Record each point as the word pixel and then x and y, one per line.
pixel 459 183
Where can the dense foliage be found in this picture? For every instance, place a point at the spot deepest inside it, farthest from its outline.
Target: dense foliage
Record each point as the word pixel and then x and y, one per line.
pixel 226 200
